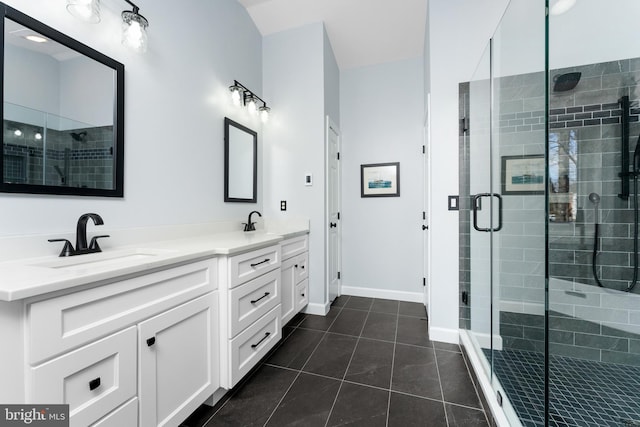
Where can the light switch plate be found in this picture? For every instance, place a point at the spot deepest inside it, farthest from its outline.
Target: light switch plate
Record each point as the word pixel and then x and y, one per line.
pixel 308 179
pixel 454 203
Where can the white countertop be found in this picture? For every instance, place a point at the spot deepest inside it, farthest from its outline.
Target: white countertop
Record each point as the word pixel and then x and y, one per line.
pixel 30 277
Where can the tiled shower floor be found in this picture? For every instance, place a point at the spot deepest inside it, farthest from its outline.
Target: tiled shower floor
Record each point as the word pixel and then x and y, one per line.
pixel 583 392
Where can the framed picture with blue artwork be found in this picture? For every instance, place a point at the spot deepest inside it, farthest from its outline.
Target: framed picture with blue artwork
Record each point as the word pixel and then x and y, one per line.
pixel 523 174
pixel 380 180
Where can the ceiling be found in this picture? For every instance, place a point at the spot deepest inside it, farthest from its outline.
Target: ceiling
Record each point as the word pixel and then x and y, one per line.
pixel 362 32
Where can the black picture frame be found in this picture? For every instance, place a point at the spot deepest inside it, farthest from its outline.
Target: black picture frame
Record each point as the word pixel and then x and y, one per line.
pixel 523 175
pixel 380 180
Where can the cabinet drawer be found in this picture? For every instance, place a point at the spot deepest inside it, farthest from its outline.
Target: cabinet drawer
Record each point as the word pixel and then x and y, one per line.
pixel 302 267
pixel 250 265
pixel 294 246
pixel 126 415
pixel 93 380
pixel 62 323
pixel 253 343
pixel 252 300
pixel 302 294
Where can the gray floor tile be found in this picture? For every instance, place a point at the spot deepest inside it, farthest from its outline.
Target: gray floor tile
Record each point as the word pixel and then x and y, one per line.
pixel 359 406
pixel 349 322
pixel 414 331
pixel 414 309
pixel 332 356
pixel 371 363
pixel 255 401
pixel 295 350
pixel 385 306
pixel 380 326
pixel 447 346
pixel 308 402
pixel 359 303
pixel 320 323
pixel 406 411
pixel 340 301
pixel 457 386
pixel 415 372
pixel 459 416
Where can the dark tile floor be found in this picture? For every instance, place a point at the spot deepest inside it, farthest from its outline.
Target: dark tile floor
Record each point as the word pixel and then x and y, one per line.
pixel 368 362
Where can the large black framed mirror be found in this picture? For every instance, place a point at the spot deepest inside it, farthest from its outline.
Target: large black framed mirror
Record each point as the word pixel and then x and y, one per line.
pixel 240 163
pixel 62 110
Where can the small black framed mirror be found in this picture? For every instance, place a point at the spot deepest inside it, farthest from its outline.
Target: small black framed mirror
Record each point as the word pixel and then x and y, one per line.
pixel 62 110
pixel 240 163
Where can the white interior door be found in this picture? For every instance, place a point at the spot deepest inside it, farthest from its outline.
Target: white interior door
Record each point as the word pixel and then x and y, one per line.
pixel 426 207
pixel 333 209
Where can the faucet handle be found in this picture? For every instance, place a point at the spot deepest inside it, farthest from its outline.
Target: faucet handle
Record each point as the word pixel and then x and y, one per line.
pixel 93 245
pixel 67 249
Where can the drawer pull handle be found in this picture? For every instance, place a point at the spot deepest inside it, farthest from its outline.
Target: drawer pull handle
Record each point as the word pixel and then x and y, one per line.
pixel 266 294
pixel 94 384
pixel 151 341
pixel 261 262
pixel 266 335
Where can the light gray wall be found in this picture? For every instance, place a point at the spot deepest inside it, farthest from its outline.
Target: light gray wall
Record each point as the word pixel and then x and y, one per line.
pixel 331 82
pixel 176 99
pixel 294 139
pixel 382 117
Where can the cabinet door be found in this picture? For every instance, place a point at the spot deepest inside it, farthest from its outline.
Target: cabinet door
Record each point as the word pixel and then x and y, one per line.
pixel 178 363
pixel 302 295
pixel 288 284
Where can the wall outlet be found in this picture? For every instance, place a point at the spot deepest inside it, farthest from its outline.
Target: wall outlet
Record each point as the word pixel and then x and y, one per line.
pixel 308 179
pixel 283 205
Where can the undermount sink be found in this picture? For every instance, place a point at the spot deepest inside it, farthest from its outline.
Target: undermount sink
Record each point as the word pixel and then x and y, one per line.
pixel 102 259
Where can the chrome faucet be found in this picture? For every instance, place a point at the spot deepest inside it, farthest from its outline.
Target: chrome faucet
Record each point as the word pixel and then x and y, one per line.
pixel 251 226
pixel 81 237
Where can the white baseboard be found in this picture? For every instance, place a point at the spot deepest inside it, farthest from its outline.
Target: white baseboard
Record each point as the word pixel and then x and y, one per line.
pixel 451 336
pixel 319 309
pixel 383 294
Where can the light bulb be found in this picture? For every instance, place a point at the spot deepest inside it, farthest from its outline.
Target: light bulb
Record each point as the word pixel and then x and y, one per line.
pixel 264 114
pixel 38 136
pixel 17 132
pixel 235 95
pixel 134 31
pixel 252 106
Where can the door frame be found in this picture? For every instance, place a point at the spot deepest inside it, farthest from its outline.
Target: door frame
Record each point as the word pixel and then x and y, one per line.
pixel 329 125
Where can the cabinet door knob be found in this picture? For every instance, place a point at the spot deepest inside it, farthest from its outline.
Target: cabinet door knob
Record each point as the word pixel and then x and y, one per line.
pixel 296 266
pixel 94 384
pixel 303 295
pixel 151 341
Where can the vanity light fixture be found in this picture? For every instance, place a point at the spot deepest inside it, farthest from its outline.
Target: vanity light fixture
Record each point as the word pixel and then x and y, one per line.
pixel 240 93
pixel 38 136
pixel 85 10
pixel 17 132
pixel 134 29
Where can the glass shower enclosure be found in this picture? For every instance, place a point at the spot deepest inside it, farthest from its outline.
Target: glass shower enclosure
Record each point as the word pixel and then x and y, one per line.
pixel 550 163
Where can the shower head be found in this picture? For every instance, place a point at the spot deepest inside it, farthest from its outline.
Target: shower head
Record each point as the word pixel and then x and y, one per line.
pixel 565 82
pixel 79 136
pixel 594 198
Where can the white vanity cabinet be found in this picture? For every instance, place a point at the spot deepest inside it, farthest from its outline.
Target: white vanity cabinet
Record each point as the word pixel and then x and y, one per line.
pixel 249 310
pixel 295 276
pixel 136 352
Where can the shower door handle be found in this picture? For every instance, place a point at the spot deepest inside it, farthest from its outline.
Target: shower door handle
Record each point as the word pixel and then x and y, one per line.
pixel 476 206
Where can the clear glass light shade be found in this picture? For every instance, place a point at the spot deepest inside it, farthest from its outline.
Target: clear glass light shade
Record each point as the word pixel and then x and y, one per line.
pixel 558 7
pixel 264 114
pixel 85 10
pixel 236 95
pixel 252 106
pixel 134 31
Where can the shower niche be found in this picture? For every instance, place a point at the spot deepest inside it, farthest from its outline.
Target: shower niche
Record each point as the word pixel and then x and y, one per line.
pixel 63 113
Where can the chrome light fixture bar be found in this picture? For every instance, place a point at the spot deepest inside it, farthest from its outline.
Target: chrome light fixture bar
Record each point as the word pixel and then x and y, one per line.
pixel 134 29
pixel 241 94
